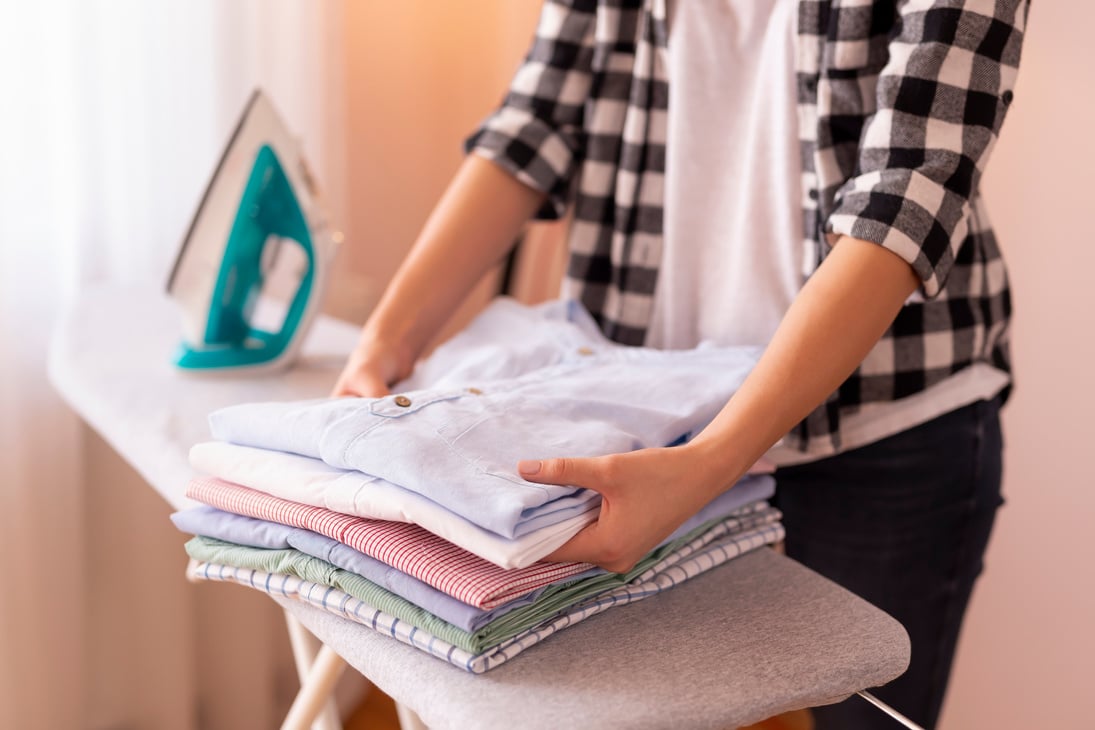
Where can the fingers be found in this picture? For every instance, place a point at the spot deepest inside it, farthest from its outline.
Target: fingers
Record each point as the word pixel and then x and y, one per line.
pixel 592 473
pixel 553 471
pixel 371 367
pixel 597 543
pixel 360 384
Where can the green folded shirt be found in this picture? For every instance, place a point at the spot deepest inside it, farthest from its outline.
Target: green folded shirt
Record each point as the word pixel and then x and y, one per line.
pixel 554 599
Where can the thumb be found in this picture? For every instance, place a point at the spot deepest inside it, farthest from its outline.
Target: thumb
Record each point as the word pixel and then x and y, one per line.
pixel 566 472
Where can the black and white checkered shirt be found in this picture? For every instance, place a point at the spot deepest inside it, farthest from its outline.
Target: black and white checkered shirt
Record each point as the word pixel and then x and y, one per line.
pixel 899 104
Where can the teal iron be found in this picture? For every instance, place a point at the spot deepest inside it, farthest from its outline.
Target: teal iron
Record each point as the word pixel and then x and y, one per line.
pixel 261 208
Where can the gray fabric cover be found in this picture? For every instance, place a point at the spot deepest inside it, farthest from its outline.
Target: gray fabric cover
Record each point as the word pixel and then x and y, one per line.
pixel 758 636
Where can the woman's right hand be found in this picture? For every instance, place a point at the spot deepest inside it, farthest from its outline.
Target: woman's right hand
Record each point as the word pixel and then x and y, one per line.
pixel 372 368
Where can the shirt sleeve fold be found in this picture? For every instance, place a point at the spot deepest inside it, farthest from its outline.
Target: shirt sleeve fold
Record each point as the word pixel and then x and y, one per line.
pixel 536 134
pixel 941 99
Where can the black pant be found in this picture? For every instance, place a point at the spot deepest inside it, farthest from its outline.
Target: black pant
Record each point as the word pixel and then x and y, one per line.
pixel 903 523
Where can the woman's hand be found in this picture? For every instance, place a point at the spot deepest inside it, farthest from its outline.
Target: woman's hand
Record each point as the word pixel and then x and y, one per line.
pixel 646 494
pixel 842 310
pixel 372 368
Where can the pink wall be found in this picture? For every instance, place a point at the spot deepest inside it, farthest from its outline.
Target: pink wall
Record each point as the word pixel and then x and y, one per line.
pixel 1028 650
pixel 419 76
pixel 1027 656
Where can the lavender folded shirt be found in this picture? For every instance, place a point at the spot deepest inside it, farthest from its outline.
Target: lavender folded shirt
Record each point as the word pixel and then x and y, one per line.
pixel 457 439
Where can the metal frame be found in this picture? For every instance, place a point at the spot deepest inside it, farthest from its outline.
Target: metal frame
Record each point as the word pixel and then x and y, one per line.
pixel 889 710
pixel 319 667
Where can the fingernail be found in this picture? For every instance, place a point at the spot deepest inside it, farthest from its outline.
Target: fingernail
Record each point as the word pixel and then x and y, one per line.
pixel 528 467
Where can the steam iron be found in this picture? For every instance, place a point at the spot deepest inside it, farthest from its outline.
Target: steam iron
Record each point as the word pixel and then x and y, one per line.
pixel 261 207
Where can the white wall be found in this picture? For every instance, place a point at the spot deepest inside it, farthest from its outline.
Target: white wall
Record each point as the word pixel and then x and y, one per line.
pixel 1027 655
pixel 115 112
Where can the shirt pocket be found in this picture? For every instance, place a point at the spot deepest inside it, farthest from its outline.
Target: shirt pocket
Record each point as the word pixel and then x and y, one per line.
pixel 436 419
pixel 399 405
pixel 477 431
pixel 390 412
pixel 506 428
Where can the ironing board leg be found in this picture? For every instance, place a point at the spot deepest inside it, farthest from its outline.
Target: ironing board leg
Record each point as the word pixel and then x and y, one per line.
pixel 889 710
pixel 305 648
pixel 407 719
pixel 315 690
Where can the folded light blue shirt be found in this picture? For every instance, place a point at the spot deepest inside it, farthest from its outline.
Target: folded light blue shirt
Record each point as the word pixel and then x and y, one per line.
pixel 550 386
pixel 212 522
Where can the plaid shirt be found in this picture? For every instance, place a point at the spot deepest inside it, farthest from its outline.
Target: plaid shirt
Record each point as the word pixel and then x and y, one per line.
pixel 899 104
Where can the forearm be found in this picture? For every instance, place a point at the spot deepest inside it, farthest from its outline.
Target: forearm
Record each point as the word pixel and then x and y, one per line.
pixel 837 317
pixel 840 313
pixel 475 223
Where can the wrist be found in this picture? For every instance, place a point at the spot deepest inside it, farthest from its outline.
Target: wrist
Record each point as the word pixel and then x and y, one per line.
pixel 717 465
pixel 392 353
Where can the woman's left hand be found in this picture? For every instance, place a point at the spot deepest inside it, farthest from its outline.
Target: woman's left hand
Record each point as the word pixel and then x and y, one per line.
pixel 646 494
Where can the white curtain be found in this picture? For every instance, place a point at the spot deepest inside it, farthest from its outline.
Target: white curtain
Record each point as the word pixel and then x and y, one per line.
pixel 112 114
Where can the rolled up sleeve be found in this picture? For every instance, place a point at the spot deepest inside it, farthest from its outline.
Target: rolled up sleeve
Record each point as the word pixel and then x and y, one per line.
pixel 941 100
pixel 536 133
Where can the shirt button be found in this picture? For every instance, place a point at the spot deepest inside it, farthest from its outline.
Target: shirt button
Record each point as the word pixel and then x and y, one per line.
pixel 402 400
pixel 475 391
pixel 585 351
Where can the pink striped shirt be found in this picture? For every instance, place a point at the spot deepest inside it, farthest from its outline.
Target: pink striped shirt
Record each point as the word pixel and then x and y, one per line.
pixel 404 546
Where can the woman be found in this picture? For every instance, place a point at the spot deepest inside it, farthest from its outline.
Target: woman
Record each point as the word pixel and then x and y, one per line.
pixel 796 173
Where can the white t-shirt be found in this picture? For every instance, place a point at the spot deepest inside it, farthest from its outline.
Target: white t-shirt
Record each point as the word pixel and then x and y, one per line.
pixel 734 249
pixel 733 175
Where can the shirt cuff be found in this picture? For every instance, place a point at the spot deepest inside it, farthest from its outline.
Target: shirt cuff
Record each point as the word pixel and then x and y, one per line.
pixel 534 152
pixel 910 214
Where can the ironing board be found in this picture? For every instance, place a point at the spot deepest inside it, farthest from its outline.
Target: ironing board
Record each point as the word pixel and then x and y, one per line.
pixel 755 637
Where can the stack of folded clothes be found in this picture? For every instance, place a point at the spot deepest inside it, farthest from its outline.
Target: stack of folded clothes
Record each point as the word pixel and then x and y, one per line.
pixel 405 513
